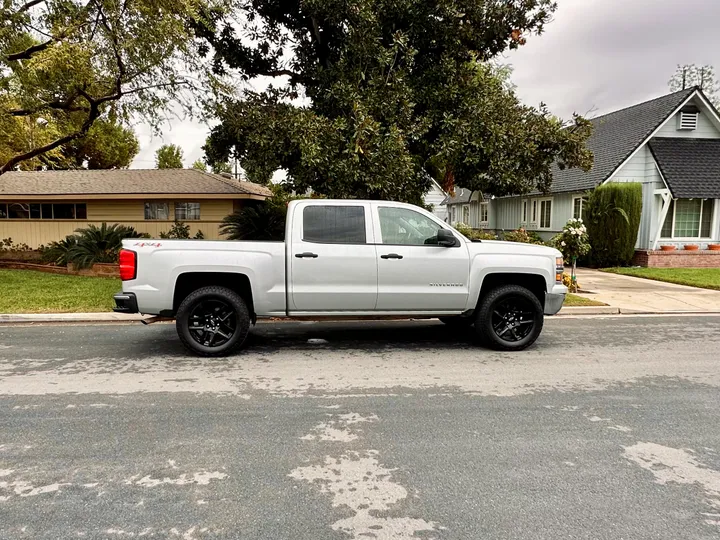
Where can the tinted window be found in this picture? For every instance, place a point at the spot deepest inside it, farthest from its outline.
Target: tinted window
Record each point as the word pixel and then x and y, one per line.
pixel 19 211
pixel 3 210
pixel 47 211
pixel 334 224
pixel 81 211
pixel 64 211
pixel 34 211
pixel 407 227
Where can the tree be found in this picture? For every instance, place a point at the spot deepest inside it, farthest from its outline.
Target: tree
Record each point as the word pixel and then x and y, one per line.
pixel 199 165
pixel 221 167
pixel 65 64
pixel 169 156
pixel 691 75
pixel 107 145
pixel 395 92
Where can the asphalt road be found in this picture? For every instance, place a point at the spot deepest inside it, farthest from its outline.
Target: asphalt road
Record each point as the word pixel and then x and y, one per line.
pixel 608 428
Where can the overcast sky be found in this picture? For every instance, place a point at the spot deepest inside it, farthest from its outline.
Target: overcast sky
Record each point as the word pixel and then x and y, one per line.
pixel 597 55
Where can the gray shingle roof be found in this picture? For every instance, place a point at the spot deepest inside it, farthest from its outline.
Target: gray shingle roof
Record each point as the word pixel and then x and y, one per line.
pixel 461 196
pixel 615 136
pixel 124 182
pixel 691 167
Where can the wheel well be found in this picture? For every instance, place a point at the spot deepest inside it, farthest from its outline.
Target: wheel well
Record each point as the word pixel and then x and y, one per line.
pixel 192 281
pixel 535 283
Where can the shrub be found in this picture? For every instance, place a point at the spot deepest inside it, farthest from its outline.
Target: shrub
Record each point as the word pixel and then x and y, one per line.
pixel 613 220
pixel 7 244
pixel 524 236
pixel 181 231
pixel 572 243
pixel 473 234
pixel 261 221
pixel 99 244
pixel 59 252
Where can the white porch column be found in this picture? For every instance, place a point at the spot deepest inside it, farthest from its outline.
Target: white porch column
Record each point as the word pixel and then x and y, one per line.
pixel 666 198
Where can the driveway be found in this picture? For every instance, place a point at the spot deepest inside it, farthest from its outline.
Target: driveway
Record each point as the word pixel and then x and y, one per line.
pixel 632 294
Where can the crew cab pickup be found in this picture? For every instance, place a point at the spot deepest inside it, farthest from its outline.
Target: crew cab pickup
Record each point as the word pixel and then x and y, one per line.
pixel 344 258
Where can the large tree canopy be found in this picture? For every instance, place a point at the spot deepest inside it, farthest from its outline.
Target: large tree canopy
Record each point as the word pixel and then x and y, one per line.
pixel 66 63
pixel 374 97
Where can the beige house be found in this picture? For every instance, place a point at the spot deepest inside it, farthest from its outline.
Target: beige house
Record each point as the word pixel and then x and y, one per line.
pixel 37 207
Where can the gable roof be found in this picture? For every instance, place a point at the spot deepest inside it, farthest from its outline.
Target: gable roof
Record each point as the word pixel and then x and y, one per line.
pixel 119 182
pixel 615 136
pixel 690 167
pixel 461 196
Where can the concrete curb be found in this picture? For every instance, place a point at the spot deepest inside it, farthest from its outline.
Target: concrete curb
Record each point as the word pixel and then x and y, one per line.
pixel 589 310
pixel 70 317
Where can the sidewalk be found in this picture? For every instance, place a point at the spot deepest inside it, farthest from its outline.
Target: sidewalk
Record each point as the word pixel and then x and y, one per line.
pixel 633 295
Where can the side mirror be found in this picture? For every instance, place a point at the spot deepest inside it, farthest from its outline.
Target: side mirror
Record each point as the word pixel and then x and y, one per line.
pixel 446 238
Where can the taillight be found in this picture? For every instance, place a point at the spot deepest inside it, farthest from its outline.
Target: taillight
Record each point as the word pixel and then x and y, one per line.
pixel 128 264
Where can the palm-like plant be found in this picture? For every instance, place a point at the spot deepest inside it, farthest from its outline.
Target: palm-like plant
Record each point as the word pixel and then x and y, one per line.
pixel 265 221
pixel 59 252
pixel 99 244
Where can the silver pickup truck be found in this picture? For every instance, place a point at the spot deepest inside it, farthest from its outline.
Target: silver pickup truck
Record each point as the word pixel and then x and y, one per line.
pixel 344 258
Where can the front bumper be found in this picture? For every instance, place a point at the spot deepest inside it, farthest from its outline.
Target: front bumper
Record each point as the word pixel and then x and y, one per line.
pixel 125 303
pixel 554 299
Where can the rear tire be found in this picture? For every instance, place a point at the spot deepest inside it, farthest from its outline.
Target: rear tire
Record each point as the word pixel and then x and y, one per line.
pixel 213 321
pixel 509 318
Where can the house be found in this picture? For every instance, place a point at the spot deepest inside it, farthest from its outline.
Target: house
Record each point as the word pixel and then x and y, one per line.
pixel 435 198
pixel 37 207
pixel 671 145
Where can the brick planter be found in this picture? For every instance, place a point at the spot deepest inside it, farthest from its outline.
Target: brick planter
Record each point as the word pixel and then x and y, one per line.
pixel 97 270
pixel 677 259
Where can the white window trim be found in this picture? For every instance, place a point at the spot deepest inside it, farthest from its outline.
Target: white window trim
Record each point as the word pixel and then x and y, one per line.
pixel 672 236
pixel 539 216
pixel 582 207
pixel 469 218
pixel 524 209
pixel 534 213
pixel 484 223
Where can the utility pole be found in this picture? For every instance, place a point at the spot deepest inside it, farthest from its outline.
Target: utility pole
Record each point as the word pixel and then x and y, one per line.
pixel 702 78
pixel 684 73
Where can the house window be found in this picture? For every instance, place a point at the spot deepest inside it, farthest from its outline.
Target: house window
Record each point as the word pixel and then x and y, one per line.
pixel 187 211
pixel 534 211
pixel 484 213
pixel 43 210
pixel 688 218
pixel 524 211
pixel 157 210
pixel 579 207
pixel 466 215
pixel 545 213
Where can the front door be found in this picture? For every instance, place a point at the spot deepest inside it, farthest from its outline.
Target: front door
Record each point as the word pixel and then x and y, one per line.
pixel 333 267
pixel 414 273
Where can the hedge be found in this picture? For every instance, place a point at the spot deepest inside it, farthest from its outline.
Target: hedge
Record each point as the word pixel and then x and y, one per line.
pixel 613 220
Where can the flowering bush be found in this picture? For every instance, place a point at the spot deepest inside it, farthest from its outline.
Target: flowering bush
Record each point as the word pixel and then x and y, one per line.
pixel 524 236
pixel 572 243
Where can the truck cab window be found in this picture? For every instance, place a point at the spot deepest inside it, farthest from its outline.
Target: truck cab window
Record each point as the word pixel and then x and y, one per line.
pixel 405 227
pixel 333 224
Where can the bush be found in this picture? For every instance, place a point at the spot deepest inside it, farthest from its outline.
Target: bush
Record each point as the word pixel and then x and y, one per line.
pixel 59 252
pixel 7 244
pixel 261 221
pixel 182 232
pixel 473 234
pixel 524 236
pixel 99 244
pixel 573 243
pixel 613 220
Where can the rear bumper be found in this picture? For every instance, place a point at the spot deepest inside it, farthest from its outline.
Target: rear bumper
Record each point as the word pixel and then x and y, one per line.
pixel 125 303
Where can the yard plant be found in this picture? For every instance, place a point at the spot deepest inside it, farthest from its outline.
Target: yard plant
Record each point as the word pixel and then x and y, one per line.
pixel 90 245
pixel 613 221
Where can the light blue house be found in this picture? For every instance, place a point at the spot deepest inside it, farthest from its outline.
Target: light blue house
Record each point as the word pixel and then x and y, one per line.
pixel 671 145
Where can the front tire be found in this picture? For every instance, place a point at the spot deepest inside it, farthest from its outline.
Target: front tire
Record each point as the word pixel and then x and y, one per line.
pixel 510 318
pixel 213 321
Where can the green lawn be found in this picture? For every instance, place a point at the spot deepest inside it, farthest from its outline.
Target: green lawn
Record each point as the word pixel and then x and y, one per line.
pixel 573 300
pixel 707 278
pixel 28 291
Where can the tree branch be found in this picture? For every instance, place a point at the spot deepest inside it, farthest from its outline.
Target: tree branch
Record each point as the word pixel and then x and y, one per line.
pixel 66 105
pixel 29 5
pixel 10 164
pixel 27 53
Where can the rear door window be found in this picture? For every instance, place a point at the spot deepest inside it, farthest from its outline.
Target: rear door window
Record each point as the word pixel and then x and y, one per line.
pixel 334 224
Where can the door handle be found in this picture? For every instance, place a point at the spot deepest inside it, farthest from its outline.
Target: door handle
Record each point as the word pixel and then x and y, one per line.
pixel 306 255
pixel 391 256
